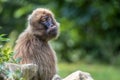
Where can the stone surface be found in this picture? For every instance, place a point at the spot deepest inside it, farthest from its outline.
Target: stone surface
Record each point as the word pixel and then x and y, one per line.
pixel 79 75
pixel 27 71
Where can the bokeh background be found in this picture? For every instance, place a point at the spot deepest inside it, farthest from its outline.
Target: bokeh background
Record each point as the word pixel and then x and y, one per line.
pixel 89 33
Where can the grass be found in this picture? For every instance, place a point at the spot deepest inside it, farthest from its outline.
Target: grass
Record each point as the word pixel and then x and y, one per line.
pixel 98 71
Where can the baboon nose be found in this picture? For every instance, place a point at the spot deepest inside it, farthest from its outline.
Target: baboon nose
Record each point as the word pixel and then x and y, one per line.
pixel 51 25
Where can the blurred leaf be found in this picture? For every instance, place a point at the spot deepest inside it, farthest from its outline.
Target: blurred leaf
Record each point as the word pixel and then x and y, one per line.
pixel 2 38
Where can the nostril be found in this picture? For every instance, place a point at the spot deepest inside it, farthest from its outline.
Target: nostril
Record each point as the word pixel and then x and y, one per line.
pixel 51 25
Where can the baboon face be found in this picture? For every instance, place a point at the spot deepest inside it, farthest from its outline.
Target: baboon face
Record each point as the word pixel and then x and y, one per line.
pixel 43 24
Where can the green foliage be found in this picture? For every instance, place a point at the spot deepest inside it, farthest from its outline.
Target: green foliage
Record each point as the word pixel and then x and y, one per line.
pixel 2 38
pixel 16 75
pixel 90 29
pixel 6 55
pixel 10 74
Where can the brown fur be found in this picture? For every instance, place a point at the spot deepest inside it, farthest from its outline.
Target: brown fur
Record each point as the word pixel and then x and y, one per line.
pixel 33 46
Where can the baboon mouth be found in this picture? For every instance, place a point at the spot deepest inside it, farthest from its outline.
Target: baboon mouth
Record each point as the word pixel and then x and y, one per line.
pixel 51 29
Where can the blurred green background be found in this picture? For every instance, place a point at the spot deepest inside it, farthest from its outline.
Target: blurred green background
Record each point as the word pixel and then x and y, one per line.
pixel 89 33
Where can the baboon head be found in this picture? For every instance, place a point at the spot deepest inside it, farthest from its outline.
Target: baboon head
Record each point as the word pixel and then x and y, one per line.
pixel 43 24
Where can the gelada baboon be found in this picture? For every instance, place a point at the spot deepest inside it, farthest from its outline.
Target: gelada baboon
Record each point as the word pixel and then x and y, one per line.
pixel 32 46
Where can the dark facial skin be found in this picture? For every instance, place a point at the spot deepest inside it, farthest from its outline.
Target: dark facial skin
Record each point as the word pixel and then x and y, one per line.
pixel 48 29
pixel 47 22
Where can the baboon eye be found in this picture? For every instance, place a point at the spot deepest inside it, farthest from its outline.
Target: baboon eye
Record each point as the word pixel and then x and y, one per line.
pixel 43 19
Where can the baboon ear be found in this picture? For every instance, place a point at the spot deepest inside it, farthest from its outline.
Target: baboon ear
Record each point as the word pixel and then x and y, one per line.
pixel 29 17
